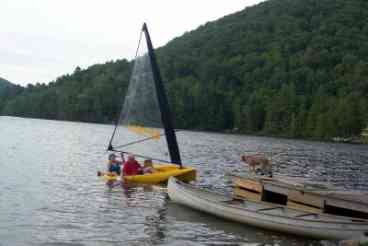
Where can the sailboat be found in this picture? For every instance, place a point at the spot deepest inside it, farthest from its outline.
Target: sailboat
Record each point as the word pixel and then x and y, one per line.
pixel 145 127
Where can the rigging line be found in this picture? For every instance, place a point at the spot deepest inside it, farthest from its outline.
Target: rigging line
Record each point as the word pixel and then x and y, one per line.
pixel 140 140
pixel 143 156
pixel 117 122
pixel 139 44
pixel 155 159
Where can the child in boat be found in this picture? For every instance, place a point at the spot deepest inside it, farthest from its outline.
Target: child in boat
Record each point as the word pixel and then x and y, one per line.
pixel 113 166
pixel 131 167
pixel 148 167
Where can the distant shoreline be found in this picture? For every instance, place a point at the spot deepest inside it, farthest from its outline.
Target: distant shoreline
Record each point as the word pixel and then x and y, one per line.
pixel 354 140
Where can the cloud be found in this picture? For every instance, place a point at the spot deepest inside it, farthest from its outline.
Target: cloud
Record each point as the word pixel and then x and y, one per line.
pixel 57 36
pixel 31 58
pixel 23 52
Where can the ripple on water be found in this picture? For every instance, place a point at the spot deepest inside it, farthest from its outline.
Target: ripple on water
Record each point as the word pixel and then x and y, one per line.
pixel 53 196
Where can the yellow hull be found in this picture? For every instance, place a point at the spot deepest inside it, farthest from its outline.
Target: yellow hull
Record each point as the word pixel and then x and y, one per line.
pixel 162 174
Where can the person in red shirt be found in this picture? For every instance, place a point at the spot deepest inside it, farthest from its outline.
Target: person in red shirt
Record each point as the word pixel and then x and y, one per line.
pixel 131 167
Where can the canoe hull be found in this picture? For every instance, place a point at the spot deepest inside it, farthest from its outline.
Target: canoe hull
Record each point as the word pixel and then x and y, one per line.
pixel 257 214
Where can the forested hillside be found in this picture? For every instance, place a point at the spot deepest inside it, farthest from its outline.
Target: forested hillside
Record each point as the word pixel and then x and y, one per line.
pixel 7 90
pixel 296 68
pixel 4 82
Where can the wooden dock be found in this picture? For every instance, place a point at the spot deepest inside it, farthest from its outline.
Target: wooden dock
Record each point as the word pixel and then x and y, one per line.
pixel 298 194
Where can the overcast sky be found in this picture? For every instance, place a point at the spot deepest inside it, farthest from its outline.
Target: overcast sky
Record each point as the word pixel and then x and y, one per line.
pixel 43 39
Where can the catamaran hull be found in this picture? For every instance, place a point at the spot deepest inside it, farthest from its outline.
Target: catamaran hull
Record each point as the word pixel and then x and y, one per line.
pixel 264 216
pixel 162 174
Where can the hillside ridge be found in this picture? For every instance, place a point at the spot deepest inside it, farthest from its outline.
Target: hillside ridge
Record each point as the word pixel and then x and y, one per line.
pixel 4 82
pixel 294 68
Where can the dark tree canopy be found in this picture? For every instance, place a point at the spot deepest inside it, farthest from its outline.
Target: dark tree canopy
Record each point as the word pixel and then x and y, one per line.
pixel 296 68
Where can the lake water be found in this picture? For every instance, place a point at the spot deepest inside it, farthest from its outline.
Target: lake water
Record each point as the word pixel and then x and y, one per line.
pixel 50 195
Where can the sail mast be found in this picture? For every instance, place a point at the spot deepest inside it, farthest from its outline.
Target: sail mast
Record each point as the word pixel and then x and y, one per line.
pixel 163 103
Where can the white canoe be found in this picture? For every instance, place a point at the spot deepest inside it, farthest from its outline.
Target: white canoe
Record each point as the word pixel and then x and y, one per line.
pixel 266 215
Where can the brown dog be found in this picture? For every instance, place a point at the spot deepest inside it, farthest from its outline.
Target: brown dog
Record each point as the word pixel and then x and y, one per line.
pixel 255 160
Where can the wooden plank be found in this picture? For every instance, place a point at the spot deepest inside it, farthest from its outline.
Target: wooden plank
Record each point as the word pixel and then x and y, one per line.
pixel 340 203
pixel 248 184
pixel 305 195
pixel 303 207
pixel 357 197
pixel 306 198
pixel 270 186
pixel 245 194
pixel 353 200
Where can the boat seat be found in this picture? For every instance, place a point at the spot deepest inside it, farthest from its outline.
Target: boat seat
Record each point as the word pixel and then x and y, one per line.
pixel 270 208
pixel 306 214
